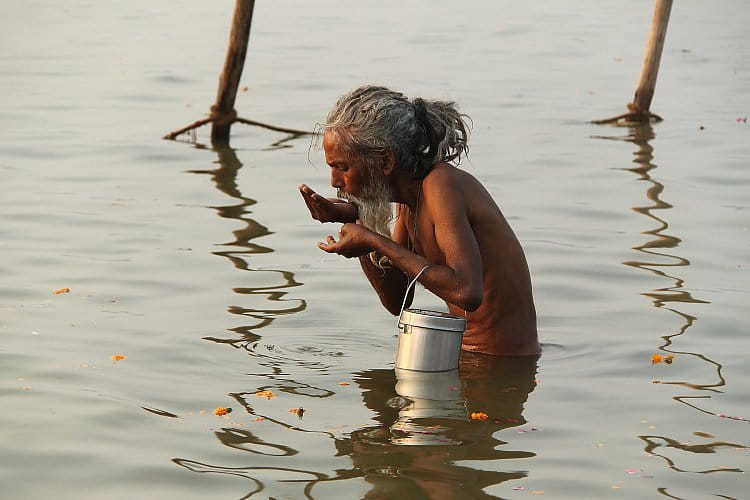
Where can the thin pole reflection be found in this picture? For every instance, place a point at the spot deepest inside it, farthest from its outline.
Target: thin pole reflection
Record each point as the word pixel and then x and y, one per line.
pixel 257 451
pixel 662 260
pixel 242 248
pixel 659 259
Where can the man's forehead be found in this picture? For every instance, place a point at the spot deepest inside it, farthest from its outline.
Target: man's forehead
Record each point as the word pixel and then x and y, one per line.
pixel 332 147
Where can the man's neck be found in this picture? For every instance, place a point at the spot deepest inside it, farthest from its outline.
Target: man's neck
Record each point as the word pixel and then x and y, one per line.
pixel 407 192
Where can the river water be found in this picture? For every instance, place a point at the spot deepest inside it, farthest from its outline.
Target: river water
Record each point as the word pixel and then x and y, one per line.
pixel 200 268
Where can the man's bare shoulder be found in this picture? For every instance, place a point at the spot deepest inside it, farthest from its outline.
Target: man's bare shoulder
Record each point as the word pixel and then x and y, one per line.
pixel 445 179
pixel 447 184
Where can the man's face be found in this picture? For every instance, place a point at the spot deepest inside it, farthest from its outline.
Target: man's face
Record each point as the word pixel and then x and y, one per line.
pixel 349 174
pixel 355 181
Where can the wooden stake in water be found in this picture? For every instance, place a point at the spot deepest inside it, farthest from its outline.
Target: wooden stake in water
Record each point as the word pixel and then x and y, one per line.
pixel 644 92
pixel 640 107
pixel 223 114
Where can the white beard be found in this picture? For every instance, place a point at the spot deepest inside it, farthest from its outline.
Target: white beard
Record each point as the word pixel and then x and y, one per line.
pixel 374 206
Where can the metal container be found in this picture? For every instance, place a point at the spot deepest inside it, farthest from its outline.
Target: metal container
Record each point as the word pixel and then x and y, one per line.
pixel 429 341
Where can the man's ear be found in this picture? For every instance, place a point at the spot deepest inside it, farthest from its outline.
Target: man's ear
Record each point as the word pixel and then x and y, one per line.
pixel 389 162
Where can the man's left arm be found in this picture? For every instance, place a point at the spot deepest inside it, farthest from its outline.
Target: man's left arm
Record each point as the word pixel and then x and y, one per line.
pixel 459 280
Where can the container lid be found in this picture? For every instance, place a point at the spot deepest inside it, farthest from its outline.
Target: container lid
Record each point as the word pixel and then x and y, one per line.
pixel 437 320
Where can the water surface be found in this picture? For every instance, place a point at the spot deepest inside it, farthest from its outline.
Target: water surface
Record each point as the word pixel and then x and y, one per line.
pixel 200 265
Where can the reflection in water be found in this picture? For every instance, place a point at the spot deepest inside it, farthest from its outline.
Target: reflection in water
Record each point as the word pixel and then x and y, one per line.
pixel 653 443
pixel 291 475
pixel 225 179
pixel 670 297
pixel 242 247
pixel 425 429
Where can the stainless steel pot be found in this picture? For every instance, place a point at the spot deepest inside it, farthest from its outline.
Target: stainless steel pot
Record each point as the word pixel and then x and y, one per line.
pixel 429 341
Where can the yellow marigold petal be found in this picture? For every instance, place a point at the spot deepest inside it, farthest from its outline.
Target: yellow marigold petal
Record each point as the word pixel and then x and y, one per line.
pixel 118 357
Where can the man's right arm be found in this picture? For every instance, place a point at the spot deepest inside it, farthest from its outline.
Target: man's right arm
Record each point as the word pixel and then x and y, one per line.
pixel 389 283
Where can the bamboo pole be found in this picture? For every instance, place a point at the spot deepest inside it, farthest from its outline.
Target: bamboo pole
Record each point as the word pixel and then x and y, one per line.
pixel 223 113
pixel 640 108
pixel 644 92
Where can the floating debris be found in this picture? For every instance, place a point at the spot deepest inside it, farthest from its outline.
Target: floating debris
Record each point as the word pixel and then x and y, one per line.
pixel 118 357
pixel 265 394
pixel 61 290
pixel 658 358
pixel 221 411
pixel 478 415
pixel 299 411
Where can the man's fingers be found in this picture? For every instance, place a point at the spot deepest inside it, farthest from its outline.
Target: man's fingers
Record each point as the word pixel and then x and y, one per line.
pixel 305 189
pixel 312 200
pixel 329 246
pixel 306 197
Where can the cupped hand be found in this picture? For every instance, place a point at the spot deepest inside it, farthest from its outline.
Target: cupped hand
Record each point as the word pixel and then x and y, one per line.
pixel 354 241
pixel 327 209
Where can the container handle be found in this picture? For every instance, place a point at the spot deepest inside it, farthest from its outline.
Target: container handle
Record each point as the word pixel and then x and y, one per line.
pixel 406 293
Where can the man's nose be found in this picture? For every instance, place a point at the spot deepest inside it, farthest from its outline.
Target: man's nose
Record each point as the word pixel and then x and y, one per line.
pixel 337 180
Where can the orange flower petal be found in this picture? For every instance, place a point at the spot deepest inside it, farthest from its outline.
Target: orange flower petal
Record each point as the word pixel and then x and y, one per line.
pixel 657 358
pixel 221 411
pixel 118 357
pixel 479 416
pixel 61 290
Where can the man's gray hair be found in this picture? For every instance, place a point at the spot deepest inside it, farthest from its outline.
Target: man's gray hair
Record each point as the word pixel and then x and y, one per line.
pixel 371 120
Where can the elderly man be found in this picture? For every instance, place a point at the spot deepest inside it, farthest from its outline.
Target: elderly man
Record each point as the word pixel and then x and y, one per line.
pixel 384 148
